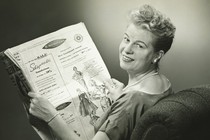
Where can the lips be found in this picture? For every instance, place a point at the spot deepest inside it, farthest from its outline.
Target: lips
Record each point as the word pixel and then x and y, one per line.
pixel 127 59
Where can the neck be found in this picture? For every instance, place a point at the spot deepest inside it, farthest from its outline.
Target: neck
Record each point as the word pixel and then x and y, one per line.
pixel 134 77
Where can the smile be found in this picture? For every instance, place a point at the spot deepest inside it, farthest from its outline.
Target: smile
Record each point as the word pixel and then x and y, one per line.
pixel 127 59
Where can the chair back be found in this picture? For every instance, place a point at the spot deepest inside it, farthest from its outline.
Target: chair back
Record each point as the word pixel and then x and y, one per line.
pixel 184 115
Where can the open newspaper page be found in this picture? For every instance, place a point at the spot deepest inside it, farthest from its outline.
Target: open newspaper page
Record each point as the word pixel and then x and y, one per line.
pixel 66 68
pixel 19 80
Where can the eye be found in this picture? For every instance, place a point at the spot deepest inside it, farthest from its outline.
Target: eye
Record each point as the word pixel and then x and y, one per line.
pixel 139 46
pixel 126 39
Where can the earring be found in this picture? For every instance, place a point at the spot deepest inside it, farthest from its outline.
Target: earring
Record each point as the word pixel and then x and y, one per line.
pixel 154 61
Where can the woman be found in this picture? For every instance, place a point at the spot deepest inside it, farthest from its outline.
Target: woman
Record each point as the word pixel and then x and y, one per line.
pixel 148 37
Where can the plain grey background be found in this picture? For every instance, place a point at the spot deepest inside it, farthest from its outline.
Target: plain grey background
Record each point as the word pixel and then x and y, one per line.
pixel 186 64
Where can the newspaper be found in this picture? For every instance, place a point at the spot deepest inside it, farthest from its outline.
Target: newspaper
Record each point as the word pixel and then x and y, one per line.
pixel 66 68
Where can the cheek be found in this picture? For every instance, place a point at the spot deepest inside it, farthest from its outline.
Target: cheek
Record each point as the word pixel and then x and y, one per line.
pixel 149 58
pixel 121 47
pixel 143 58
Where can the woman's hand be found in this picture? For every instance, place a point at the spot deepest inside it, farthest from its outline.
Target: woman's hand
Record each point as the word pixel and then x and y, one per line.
pixel 115 88
pixel 41 107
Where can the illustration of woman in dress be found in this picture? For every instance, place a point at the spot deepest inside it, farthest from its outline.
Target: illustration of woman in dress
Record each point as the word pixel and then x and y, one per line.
pixel 87 107
pixel 97 90
pixel 78 76
pixel 100 91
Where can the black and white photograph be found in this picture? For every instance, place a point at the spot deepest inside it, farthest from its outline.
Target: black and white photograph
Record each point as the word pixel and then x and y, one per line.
pixel 105 70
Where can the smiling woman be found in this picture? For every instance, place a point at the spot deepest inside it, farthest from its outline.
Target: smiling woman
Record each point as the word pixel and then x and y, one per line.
pixel 147 38
pixel 186 64
pixel 136 50
pixel 140 52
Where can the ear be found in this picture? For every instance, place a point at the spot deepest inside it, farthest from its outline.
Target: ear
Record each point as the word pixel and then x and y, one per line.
pixel 160 54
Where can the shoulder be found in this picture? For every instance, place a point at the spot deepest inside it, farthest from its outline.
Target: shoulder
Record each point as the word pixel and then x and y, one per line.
pixel 131 101
pixel 120 120
pixel 156 84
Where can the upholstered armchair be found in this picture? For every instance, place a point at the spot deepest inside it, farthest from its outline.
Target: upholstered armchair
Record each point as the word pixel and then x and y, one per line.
pixel 184 115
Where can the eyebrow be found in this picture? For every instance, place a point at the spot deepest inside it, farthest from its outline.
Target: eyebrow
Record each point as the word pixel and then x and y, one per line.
pixel 138 40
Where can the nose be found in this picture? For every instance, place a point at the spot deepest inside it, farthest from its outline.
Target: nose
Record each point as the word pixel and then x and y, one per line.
pixel 128 49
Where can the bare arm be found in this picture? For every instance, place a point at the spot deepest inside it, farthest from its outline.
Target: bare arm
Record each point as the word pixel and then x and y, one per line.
pixel 65 133
pixel 43 109
pixel 101 136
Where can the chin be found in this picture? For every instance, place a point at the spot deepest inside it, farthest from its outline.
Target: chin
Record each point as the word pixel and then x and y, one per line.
pixel 123 66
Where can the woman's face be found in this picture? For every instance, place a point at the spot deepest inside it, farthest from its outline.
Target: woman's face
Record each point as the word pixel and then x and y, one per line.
pixel 136 50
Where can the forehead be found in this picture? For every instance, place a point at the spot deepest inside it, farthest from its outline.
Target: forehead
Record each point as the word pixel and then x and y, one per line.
pixel 140 33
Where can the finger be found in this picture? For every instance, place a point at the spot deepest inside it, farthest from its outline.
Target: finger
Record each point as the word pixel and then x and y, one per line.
pixel 31 106
pixel 33 94
pixel 34 100
pixel 31 100
pixel 30 110
pixel 107 85
pixel 115 81
pixel 118 83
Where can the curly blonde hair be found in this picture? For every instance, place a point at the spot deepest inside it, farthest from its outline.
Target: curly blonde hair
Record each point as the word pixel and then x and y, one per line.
pixel 158 24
